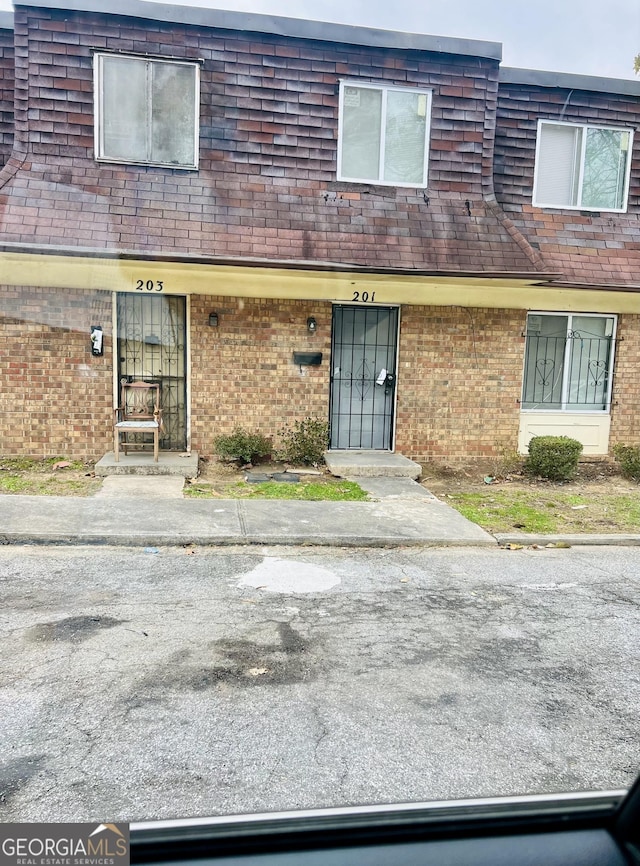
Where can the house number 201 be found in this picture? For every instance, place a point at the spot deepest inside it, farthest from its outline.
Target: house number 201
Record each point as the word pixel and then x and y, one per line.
pixel 149 285
pixel 365 297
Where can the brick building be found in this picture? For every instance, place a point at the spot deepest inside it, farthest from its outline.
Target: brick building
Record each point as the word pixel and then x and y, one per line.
pixel 277 218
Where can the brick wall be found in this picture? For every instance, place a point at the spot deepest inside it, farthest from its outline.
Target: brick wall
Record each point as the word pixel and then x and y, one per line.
pixel 268 142
pixel 243 373
pixel 459 374
pixel 586 247
pixel 459 383
pixel 625 419
pixel 6 94
pixel 55 397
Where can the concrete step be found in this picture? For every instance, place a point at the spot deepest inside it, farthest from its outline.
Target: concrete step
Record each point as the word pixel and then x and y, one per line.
pixel 142 463
pixel 371 464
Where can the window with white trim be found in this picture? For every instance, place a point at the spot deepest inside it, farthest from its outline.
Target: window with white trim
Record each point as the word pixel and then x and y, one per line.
pixel 568 362
pixel 146 111
pixel 582 167
pixel 383 134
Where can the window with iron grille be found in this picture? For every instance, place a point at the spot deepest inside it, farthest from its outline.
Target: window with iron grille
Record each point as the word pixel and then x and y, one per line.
pixel 383 134
pixel 582 167
pixel 568 362
pixel 146 111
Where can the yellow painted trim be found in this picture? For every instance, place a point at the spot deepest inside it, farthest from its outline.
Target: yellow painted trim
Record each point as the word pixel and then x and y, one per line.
pixel 185 278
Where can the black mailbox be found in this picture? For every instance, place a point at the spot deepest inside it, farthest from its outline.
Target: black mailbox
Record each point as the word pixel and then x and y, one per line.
pixel 307 359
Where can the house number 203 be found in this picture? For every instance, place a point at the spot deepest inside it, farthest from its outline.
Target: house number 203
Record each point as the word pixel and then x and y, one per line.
pixel 149 285
pixel 364 297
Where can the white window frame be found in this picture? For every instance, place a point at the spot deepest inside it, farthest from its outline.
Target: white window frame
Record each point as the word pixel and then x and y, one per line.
pixel 584 127
pixel 385 88
pixel 98 91
pixel 566 368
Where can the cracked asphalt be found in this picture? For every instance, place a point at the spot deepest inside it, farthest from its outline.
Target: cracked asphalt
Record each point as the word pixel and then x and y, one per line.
pixel 210 681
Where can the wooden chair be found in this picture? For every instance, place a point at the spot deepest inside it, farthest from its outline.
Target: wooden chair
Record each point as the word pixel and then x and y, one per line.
pixel 139 412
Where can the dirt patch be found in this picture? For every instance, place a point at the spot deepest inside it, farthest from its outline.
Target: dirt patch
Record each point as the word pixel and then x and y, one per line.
pixel 217 472
pixel 225 480
pixel 599 500
pixel 592 477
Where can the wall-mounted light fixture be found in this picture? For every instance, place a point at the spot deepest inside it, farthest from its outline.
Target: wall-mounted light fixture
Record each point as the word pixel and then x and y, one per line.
pixel 312 325
pixel 213 320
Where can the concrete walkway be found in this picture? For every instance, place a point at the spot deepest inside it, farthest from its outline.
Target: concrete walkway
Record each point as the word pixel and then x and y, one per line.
pixel 146 521
pixel 141 487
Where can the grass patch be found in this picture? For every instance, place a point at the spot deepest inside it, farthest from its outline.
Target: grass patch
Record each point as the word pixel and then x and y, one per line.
pixel 30 464
pixel 30 477
pixel 314 491
pixel 497 515
pixel 549 511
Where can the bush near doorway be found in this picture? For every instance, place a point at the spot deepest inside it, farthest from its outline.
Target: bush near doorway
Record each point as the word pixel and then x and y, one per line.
pixel 242 445
pixel 305 442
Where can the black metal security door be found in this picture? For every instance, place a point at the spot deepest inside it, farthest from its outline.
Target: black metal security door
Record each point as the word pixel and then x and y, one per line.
pixel 152 347
pixel 363 375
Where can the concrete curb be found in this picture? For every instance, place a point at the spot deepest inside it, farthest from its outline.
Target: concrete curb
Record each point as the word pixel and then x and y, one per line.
pixel 105 540
pixel 575 540
pixel 174 539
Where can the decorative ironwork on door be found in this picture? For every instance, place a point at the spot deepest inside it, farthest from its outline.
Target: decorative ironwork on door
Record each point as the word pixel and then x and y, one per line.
pixel 363 371
pixel 152 348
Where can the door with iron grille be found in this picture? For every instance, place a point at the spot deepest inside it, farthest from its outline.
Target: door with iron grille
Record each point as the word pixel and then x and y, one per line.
pixel 152 347
pixel 363 375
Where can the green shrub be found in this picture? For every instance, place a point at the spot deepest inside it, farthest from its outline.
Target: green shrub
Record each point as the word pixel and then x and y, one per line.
pixel 507 462
pixel 553 457
pixel 305 442
pixel 628 456
pixel 242 445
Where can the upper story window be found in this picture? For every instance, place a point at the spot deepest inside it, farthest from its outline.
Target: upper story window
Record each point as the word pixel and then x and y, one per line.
pixel 383 134
pixel 568 362
pixel 146 111
pixel 582 167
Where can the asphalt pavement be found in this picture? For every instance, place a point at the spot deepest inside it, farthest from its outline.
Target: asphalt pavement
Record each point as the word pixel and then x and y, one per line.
pixel 195 681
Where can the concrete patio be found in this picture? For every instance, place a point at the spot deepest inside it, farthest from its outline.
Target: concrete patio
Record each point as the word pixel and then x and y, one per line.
pixel 180 463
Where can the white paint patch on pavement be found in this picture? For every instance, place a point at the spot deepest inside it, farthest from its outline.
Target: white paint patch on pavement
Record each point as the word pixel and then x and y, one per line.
pixel 294 576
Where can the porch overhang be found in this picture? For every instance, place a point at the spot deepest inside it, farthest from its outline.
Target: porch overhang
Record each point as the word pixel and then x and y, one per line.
pixel 297 280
